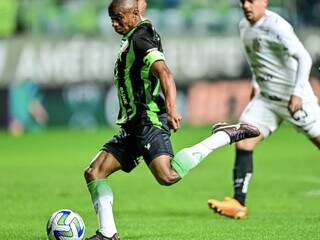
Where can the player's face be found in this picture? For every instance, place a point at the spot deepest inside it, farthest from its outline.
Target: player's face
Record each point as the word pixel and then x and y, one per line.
pixel 253 9
pixel 142 5
pixel 123 20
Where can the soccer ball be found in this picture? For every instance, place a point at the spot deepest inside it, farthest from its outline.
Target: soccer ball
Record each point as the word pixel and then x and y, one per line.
pixel 65 225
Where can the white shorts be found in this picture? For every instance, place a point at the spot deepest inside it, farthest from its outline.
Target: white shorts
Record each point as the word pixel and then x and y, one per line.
pixel 268 114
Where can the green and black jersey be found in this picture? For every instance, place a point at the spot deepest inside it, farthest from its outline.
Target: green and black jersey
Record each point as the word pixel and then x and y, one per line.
pixel 138 89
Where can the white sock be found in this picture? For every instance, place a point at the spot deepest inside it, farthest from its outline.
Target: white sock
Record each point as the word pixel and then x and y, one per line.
pixel 188 158
pixel 211 143
pixel 105 216
pixel 102 198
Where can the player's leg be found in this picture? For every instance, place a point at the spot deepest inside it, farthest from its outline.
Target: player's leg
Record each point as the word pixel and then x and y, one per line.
pixel 119 153
pixel 162 170
pixel 103 165
pixel 168 170
pixel 222 134
pixel 157 151
pixel 243 167
pixel 242 172
pixel 314 129
pixel 316 141
pixel 307 119
pixel 260 114
pixel 155 145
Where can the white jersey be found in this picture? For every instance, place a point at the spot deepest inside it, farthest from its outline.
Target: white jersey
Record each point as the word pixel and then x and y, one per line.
pixel 279 63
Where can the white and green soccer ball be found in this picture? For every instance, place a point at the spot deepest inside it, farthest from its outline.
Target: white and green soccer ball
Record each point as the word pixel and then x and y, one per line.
pixel 65 225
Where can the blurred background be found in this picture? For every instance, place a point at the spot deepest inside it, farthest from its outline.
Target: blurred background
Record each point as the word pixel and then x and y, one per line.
pixel 57 59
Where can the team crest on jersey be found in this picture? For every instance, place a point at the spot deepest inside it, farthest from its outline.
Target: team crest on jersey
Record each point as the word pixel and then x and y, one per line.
pixel 256 45
pixel 124 46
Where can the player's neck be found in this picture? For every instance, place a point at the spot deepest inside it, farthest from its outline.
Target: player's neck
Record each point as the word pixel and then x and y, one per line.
pixel 258 19
pixel 126 34
pixel 142 18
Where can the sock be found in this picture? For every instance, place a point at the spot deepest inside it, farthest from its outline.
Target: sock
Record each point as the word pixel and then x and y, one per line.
pixel 102 199
pixel 188 158
pixel 242 173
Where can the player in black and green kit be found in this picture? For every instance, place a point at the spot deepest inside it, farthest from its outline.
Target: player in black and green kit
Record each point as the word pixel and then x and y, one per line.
pixel 145 117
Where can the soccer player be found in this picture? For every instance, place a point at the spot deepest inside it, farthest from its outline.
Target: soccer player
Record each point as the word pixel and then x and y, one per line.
pixel 280 68
pixel 145 118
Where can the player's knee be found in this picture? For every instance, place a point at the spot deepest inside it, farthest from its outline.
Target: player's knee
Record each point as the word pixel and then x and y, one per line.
pixel 92 173
pixel 316 141
pixel 89 174
pixel 166 180
pixel 246 145
pixel 96 172
pixel 317 144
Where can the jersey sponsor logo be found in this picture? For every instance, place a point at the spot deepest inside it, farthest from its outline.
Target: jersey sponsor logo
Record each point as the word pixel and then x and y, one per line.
pixel 123 96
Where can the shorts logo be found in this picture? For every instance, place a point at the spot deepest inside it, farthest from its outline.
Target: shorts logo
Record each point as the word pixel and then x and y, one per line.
pixel 147 146
pixel 299 115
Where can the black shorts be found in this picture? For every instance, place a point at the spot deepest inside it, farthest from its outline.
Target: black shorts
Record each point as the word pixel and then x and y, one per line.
pixel 140 140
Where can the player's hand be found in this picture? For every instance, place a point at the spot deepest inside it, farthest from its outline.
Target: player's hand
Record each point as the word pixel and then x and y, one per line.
pixel 174 120
pixel 295 104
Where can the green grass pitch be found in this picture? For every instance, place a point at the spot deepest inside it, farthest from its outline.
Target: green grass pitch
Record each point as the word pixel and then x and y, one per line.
pixel 43 173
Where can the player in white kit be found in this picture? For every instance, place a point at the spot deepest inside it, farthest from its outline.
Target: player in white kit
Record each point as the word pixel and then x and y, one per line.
pixel 280 68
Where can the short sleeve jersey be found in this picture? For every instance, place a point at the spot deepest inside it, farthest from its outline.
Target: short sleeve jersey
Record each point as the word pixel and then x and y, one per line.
pixel 138 89
pixel 271 46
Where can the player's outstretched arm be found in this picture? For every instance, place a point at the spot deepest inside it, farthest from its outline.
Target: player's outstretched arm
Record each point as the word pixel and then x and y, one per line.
pixel 168 86
pixel 296 49
pixel 304 66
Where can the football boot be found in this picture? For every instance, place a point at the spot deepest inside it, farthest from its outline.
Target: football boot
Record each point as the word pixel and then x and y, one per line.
pixel 230 207
pixel 99 236
pixel 237 132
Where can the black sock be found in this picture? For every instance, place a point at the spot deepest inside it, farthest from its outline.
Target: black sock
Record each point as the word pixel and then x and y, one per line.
pixel 242 173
